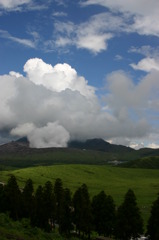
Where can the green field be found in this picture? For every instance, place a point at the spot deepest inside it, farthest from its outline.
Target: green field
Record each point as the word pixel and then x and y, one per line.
pixel 113 180
pixel 47 157
pixel 15 230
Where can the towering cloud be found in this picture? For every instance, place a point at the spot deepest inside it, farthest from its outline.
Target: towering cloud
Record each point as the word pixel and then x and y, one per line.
pixel 50 135
pixel 57 78
pixel 53 104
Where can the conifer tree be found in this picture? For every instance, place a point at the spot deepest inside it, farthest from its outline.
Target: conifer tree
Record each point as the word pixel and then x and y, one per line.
pixel 58 193
pixel 129 223
pixel 103 208
pixel 82 211
pixel 27 199
pixel 77 214
pixel 49 205
pixel 38 217
pixel 12 198
pixel 65 220
pixel 87 211
pixel 2 200
pixel 153 222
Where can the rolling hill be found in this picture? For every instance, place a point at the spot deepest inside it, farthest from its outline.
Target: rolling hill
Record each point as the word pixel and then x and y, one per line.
pixel 18 154
pixel 92 156
pixel 98 144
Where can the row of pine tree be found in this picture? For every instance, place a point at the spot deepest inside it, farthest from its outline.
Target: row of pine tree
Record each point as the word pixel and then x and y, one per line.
pixel 53 206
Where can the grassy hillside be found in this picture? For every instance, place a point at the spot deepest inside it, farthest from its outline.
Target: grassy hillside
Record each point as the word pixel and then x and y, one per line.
pixel 10 229
pixel 113 180
pixel 47 157
pixel 145 162
pixel 95 151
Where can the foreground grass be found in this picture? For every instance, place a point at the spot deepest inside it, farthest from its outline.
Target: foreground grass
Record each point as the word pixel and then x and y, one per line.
pixel 10 229
pixel 113 180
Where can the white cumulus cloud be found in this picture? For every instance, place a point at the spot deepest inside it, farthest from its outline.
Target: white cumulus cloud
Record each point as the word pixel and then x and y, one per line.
pixel 153 145
pixel 23 129
pixel 53 104
pixel 57 78
pixel 92 35
pixel 51 135
pixel 146 64
pixel 144 13
pixel 11 4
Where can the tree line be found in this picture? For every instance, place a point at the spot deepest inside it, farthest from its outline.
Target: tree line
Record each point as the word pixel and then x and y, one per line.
pixel 51 206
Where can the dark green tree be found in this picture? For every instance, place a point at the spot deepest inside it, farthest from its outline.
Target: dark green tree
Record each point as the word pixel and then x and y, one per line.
pixel 77 214
pixel 2 200
pixel 58 193
pixel 38 218
pixel 103 209
pixel 49 205
pixel 111 215
pixel 82 211
pixel 27 199
pixel 129 223
pixel 87 211
pixel 153 222
pixel 12 198
pixel 65 220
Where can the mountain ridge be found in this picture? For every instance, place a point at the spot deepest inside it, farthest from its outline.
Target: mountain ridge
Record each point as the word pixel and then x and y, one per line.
pixel 96 144
pixel 92 151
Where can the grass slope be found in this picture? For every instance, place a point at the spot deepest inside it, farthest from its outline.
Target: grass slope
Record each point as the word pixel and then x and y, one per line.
pixel 10 229
pixel 48 157
pixel 56 156
pixel 146 162
pixel 113 180
pixel 95 151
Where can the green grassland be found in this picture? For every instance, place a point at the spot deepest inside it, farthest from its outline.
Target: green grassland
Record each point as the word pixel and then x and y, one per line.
pixel 145 162
pixel 113 180
pixel 47 157
pixel 22 230
pixel 54 157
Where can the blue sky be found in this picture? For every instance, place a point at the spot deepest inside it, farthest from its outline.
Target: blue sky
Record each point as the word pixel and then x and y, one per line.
pixel 79 69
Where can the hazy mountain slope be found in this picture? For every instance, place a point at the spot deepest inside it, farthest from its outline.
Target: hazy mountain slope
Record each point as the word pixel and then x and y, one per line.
pixel 99 145
pixel 18 154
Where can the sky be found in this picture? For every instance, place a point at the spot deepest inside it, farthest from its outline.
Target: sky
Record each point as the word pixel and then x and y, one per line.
pixel 78 70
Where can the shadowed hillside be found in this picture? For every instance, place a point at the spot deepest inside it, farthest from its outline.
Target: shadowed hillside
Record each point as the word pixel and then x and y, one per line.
pixel 18 154
pixel 99 145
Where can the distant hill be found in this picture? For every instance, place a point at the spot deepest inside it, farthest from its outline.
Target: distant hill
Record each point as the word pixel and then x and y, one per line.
pixel 143 152
pixel 145 162
pixel 98 144
pixel 92 151
pixel 15 146
pixel 95 144
pixel 23 140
